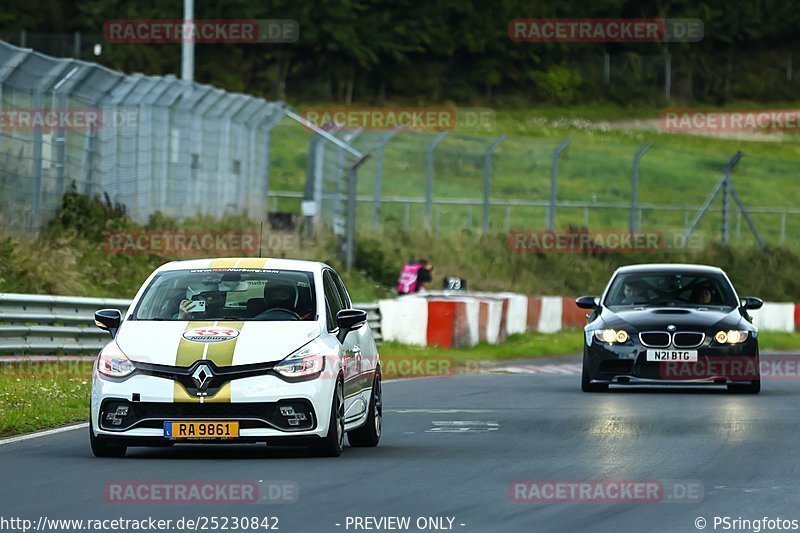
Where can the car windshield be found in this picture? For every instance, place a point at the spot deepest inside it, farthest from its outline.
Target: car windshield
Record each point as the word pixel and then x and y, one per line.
pixel 229 294
pixel 660 289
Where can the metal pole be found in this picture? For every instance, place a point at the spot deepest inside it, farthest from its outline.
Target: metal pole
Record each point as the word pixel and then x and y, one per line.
pixel 429 178
pixel 726 170
pixel 783 226
pixel 668 77
pixel 551 213
pixel 350 243
pixel 487 177
pixel 725 213
pixel 635 185
pixel 376 208
pixel 187 45
pixel 747 218
pixel 38 191
pixel 59 135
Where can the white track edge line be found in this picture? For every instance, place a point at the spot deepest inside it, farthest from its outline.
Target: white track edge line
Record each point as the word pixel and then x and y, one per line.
pixel 45 433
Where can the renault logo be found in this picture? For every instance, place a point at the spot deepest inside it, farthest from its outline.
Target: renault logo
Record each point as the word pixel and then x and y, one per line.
pixel 202 376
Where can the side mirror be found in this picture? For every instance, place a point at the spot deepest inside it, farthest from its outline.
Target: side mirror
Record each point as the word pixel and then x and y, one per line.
pixel 108 320
pixel 751 302
pixel 587 302
pixel 348 320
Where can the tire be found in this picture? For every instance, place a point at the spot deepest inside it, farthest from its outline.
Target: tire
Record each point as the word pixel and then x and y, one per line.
pixel 586 379
pixel 369 434
pixel 104 447
pixel 753 388
pixel 331 445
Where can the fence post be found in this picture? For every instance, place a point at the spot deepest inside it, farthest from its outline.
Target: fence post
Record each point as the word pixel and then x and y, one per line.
pixel 376 208
pixel 350 234
pixel 722 183
pixel 487 177
pixel 429 178
pixel 635 185
pixel 551 212
pixel 668 77
pixel 783 226
pixel 38 191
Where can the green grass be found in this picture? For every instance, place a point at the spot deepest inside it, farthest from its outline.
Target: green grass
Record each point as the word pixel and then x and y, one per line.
pixel 29 403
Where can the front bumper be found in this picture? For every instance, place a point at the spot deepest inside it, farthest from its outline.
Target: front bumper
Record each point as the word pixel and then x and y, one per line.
pixel 716 365
pixel 136 408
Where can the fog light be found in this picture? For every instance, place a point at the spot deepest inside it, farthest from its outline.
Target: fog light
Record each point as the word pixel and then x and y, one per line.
pixel 293 417
pixel 116 417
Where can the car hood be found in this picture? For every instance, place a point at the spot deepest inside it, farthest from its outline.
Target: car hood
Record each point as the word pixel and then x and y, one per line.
pixel 181 343
pixel 658 318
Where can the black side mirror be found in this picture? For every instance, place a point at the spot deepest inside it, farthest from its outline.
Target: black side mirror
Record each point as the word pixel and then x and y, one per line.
pixel 348 320
pixel 109 320
pixel 587 302
pixel 751 302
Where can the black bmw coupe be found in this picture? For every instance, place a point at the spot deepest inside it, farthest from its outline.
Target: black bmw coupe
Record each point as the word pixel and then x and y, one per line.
pixel 670 324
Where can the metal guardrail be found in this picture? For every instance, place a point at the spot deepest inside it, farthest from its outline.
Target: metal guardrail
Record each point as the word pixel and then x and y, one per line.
pixel 64 324
pixel 52 324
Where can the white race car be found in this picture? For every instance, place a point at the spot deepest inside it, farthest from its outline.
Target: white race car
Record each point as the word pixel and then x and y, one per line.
pixel 237 350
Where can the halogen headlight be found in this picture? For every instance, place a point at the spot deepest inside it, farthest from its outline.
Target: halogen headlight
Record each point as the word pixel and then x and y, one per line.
pixel 301 364
pixel 113 362
pixel 611 336
pixel 731 337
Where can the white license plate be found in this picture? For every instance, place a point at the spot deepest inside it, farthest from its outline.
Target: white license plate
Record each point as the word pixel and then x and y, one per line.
pixel 657 356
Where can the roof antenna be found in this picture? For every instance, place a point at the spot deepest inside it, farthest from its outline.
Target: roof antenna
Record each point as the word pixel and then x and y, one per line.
pixel 260 239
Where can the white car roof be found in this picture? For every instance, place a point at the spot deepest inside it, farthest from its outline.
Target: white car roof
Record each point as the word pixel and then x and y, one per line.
pixel 244 262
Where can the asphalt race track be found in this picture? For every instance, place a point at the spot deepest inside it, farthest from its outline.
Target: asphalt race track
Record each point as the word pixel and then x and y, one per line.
pixel 453 446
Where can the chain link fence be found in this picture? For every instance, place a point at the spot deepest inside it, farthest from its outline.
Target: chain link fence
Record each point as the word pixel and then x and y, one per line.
pixel 450 182
pixel 154 144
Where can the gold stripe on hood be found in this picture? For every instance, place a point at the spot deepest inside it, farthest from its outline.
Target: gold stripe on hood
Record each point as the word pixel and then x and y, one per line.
pixel 220 353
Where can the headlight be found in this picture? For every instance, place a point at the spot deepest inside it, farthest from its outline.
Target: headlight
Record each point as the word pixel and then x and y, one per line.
pixel 301 364
pixel 611 336
pixel 113 363
pixel 731 337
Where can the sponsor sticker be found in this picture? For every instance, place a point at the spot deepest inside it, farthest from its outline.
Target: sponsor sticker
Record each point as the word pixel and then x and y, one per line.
pixel 210 334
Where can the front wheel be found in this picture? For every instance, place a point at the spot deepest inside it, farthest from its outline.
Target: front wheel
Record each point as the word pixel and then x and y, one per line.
pixel 586 379
pixel 105 447
pixel 369 434
pixel 331 445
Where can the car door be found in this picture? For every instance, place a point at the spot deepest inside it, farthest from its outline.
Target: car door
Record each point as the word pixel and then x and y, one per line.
pixel 349 350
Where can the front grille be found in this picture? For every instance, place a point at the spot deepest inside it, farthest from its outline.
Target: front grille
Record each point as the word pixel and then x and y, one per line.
pixel 688 339
pixel 654 339
pixel 121 415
